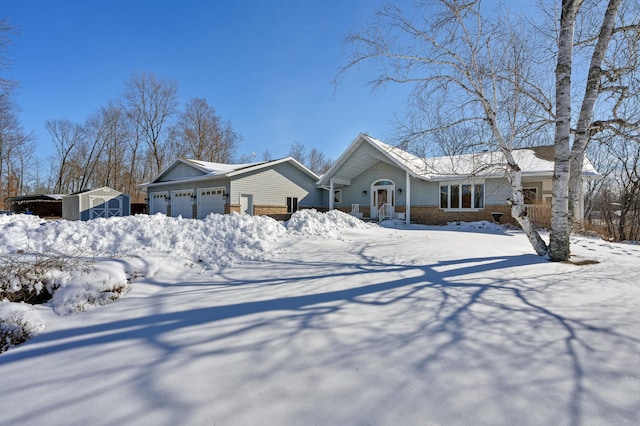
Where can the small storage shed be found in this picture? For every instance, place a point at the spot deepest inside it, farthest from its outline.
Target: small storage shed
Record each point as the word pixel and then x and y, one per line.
pixel 94 203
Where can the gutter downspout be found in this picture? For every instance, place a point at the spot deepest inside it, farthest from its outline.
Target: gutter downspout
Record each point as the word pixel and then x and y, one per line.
pixel 331 194
pixel 407 199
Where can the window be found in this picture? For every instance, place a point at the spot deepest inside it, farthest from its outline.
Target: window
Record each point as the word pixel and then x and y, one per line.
pixel 530 195
pixel 478 192
pixel 444 196
pixel 462 196
pixel 292 204
pixel 337 196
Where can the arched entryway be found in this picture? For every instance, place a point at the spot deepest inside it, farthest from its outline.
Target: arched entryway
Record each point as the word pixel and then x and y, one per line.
pixel 383 198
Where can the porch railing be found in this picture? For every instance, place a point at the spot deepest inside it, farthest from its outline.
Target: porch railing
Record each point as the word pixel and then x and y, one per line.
pixel 384 212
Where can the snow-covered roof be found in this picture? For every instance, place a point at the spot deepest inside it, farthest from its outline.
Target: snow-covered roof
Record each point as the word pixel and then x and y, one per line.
pixel 211 170
pixel 216 169
pixel 537 161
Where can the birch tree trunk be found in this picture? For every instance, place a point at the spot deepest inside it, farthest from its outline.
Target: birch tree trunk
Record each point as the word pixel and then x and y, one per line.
pixel 560 219
pixel 582 136
pixel 514 174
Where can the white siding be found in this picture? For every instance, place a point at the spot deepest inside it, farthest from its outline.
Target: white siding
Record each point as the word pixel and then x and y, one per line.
pixel 496 192
pixel 272 186
pixel 181 171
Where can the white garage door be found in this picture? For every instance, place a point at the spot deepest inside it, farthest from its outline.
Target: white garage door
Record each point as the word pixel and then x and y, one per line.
pixel 210 200
pixel 182 203
pixel 158 202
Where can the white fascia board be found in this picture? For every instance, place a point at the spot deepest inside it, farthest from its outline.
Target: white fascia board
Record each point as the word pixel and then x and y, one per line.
pixel 291 160
pixel 189 179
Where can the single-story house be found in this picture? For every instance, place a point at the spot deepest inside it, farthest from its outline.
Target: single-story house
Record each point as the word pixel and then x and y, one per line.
pixel 43 205
pixel 194 189
pixel 94 203
pixel 374 180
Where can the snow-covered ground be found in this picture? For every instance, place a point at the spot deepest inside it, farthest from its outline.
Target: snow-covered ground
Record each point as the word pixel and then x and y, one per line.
pixel 245 320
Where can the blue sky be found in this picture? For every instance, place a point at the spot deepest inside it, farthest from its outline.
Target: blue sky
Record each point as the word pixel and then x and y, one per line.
pixel 267 66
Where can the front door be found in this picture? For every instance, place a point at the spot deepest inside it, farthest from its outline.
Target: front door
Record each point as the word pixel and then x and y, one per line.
pixel 383 198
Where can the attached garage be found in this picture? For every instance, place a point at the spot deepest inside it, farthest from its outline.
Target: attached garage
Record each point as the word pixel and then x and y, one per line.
pixel 95 203
pixel 196 189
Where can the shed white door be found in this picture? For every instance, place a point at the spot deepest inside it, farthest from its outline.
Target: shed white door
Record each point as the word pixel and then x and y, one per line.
pixel 246 204
pixel 182 203
pixel 97 207
pixel 101 206
pixel 210 200
pixel 158 202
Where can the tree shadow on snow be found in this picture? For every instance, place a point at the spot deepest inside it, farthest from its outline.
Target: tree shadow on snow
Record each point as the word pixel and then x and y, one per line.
pixel 466 318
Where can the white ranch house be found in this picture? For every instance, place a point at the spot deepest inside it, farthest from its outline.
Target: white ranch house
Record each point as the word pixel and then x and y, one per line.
pixel 371 180
pixel 195 189
pixel 374 180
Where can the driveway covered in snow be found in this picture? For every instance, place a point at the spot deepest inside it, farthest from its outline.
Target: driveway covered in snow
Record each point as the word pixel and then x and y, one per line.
pixel 380 326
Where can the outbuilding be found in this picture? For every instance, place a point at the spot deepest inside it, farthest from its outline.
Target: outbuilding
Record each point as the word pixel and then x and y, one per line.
pixel 102 202
pixel 48 206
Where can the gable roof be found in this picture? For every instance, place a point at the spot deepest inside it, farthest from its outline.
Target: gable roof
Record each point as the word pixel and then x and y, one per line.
pixel 382 152
pixel 538 161
pixel 209 170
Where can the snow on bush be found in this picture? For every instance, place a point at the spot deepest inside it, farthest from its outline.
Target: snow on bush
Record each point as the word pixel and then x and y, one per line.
pixel 80 290
pixel 75 260
pixel 18 323
pixel 218 240
pixel 330 224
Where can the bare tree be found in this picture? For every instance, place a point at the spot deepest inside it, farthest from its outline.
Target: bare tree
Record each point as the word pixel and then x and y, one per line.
pixel 318 162
pixel 561 230
pixel 150 102
pixel 66 136
pixel 113 162
pixel 202 134
pixel 298 151
pixel 16 147
pixel 470 69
